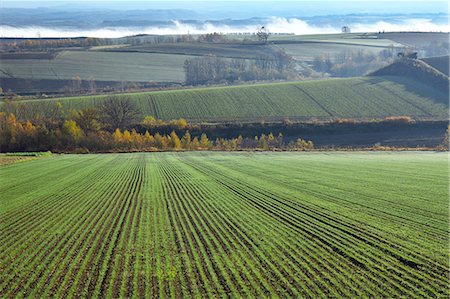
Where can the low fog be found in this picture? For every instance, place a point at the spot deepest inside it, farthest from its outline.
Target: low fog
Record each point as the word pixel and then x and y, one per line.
pixel 274 25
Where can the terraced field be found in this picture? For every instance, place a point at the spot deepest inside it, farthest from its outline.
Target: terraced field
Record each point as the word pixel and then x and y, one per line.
pixel 348 225
pixel 366 97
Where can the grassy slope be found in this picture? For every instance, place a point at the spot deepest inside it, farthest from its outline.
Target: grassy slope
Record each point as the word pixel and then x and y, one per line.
pixel 357 97
pixel 417 70
pixel 250 225
pixel 103 66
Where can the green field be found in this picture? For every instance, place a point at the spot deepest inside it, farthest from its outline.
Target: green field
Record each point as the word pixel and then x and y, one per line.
pixel 350 225
pixel 230 50
pixel 307 47
pixel 307 51
pixel 366 97
pixel 103 66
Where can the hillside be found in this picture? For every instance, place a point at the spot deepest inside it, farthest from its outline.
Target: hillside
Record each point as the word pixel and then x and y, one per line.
pixel 440 63
pixel 365 97
pixel 144 60
pixel 418 70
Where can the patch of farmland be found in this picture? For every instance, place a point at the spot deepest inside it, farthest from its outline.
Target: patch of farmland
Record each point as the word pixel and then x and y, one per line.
pixel 351 225
pixel 307 51
pixel 370 40
pixel 366 97
pixel 231 50
pixel 103 66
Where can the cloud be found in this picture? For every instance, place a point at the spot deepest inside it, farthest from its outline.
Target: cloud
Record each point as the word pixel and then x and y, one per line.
pixel 274 24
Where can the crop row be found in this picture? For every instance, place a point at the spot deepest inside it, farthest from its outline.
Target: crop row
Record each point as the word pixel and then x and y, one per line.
pixel 218 224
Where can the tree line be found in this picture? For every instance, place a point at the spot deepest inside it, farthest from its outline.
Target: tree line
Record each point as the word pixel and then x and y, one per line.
pixel 116 126
pixel 70 136
pixel 353 63
pixel 214 70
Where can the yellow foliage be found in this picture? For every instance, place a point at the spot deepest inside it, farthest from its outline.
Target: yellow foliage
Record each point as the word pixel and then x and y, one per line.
pixel 126 136
pixel 149 139
pixel 204 142
pixel 175 140
pixel 72 131
pixel 117 136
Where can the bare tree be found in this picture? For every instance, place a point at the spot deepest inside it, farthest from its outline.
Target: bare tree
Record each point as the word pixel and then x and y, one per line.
pixel 92 85
pixel 345 29
pixel 119 111
pixel 76 84
pixel 263 34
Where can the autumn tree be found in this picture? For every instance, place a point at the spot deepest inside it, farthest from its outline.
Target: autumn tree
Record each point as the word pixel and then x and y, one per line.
pixel 8 131
pixel 149 121
pixel 262 144
pixel 302 144
pixel 180 124
pixel 126 138
pixel 165 142
pixel 239 141
pixel 72 133
pixel 137 140
pixel 149 140
pixel 117 137
pixel 175 141
pixel 204 142
pixel 88 119
pixel 158 141
pixel 186 141
pixel 195 145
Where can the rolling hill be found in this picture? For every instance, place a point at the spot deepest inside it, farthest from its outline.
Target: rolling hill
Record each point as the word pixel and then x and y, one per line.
pixel 161 63
pixel 418 70
pixel 363 97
